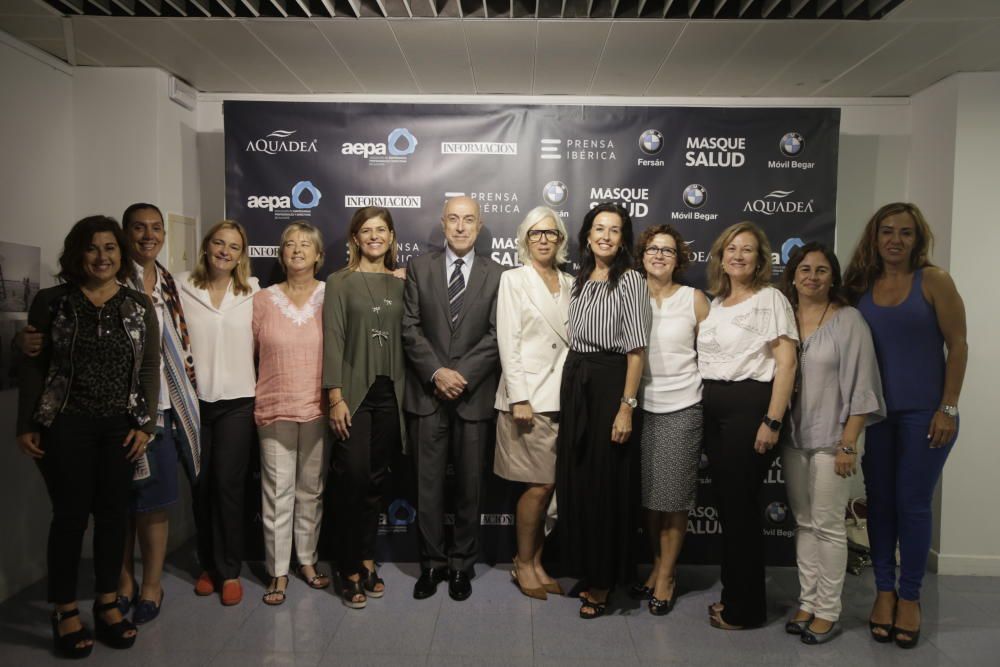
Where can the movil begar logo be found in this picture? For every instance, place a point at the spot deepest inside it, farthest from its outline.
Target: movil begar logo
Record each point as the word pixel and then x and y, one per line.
pixel 281 141
pixel 778 201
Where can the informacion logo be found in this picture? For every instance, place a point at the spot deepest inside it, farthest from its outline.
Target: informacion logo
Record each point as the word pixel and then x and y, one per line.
pixel 651 142
pixel 382 201
pixel 258 251
pixel 555 193
pixel 788 247
pixel 478 148
pixel 281 141
pixel 695 195
pixel 303 197
pixel 778 201
pixel 398 145
pixel 792 144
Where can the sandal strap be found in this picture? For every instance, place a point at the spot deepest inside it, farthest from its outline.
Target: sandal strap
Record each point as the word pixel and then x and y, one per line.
pixel 61 616
pixel 101 607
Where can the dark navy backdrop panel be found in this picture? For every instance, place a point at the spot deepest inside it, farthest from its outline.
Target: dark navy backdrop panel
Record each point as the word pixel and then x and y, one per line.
pixel 699 169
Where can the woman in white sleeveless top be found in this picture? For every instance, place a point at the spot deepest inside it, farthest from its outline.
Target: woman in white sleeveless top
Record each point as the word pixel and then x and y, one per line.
pixel 671 409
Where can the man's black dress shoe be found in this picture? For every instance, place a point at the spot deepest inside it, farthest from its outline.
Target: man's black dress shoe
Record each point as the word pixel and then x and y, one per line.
pixel 427 584
pixel 459 587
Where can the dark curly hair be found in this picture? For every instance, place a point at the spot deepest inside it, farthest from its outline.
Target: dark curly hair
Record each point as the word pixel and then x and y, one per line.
pixel 79 239
pixel 837 292
pixel 622 261
pixel 682 261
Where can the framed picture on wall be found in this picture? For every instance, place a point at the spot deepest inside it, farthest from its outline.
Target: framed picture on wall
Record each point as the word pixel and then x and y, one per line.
pixel 10 324
pixel 20 276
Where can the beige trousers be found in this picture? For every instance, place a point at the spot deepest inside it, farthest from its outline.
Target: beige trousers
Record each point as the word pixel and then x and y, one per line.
pixel 293 464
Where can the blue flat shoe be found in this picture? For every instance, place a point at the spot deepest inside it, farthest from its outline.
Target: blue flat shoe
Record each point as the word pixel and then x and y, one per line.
pixel 124 602
pixel 147 610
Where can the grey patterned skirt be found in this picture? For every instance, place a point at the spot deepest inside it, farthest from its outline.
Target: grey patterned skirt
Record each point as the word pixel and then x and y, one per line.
pixel 671 449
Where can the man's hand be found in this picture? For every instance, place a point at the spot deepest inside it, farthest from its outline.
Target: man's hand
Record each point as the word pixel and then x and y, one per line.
pixel 449 383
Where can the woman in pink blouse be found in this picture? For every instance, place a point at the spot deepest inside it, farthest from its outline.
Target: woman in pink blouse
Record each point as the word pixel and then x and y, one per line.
pixel 288 340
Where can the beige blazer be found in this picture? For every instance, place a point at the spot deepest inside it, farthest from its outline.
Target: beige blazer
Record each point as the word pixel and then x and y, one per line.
pixel 533 336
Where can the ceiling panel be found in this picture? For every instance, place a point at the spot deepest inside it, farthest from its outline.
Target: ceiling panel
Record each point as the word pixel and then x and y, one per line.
pixel 916 47
pixel 503 55
pixel 436 53
pixel 179 54
pixel 305 51
pixel 104 47
pixel 26 8
pixel 55 47
pixel 370 50
pixel 701 50
pixel 944 9
pixel 567 55
pixel 632 55
pixel 32 27
pixel 768 52
pixel 240 51
pixel 844 47
pixel 978 53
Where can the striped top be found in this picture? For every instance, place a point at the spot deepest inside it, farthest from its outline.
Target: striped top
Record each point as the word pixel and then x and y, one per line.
pixel 603 320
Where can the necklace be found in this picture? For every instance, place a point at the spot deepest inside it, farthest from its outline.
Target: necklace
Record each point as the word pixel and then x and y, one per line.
pixel 377 333
pixel 818 324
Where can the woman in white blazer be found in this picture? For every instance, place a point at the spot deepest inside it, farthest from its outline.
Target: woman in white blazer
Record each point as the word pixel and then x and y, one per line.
pixel 532 319
pixel 218 304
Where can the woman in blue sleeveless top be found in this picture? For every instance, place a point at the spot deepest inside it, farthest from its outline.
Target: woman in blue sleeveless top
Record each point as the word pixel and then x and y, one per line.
pixel 917 320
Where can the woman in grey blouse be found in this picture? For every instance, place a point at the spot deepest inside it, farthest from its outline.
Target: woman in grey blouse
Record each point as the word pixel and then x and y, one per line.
pixel 838 393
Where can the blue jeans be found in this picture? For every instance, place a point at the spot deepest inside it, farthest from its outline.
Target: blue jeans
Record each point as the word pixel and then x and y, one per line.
pixel 901 471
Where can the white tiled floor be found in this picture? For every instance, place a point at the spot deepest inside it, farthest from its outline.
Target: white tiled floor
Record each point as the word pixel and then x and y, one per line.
pixel 499 626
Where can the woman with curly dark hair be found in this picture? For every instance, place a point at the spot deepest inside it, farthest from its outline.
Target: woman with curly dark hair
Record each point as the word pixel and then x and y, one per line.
pixel 915 313
pixel 87 408
pixel 609 319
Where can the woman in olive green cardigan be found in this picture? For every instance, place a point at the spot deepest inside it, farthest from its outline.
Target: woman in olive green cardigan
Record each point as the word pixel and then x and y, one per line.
pixel 363 371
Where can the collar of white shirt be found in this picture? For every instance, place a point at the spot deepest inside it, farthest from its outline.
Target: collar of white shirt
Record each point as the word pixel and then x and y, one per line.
pixel 450 258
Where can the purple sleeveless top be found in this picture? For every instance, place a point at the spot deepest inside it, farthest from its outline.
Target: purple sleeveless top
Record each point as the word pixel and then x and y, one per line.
pixel 910 349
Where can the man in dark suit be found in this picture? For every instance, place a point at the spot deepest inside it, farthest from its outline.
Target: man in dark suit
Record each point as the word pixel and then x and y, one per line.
pixel 450 339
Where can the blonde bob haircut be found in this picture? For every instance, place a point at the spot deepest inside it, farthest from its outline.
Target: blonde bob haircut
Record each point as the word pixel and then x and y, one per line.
pixel 718 280
pixel 311 233
pixel 241 274
pixel 535 216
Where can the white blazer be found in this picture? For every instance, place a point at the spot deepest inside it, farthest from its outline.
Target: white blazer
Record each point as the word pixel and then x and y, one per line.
pixel 533 336
pixel 221 340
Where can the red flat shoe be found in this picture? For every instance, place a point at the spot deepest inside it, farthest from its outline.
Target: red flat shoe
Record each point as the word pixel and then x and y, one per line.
pixel 232 592
pixel 205 584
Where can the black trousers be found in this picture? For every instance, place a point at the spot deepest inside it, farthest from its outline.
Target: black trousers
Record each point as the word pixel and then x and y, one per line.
pixel 432 437
pixel 86 472
pixel 227 436
pixel 733 413
pixel 360 467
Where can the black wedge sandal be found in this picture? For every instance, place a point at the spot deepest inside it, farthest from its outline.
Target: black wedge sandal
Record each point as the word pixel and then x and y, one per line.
pixel 67 645
pixel 112 634
pixel 370 580
pixel 351 590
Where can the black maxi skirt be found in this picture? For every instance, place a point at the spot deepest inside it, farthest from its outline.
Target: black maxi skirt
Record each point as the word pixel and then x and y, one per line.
pixel 595 482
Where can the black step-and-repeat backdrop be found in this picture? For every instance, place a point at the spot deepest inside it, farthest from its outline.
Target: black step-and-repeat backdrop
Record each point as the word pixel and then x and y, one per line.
pixel 699 169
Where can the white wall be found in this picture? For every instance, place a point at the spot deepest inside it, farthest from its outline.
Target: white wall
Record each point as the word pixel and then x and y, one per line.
pixel 969 529
pixel 77 141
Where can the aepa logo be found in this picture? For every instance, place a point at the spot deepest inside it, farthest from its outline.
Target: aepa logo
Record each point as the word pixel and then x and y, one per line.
pixel 788 247
pixel 399 144
pixel 304 196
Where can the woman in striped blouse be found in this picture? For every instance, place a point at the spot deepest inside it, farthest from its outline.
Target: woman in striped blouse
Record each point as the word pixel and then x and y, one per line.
pixel 610 317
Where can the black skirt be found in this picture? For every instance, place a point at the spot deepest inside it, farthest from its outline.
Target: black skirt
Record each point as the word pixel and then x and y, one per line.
pixel 596 484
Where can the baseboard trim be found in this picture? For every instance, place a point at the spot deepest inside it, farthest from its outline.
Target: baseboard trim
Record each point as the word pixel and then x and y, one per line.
pixel 983 566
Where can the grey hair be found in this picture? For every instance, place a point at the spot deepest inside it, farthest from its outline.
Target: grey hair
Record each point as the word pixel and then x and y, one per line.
pixel 535 216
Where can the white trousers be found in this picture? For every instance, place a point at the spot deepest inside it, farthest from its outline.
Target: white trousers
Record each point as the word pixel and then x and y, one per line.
pixel 818 497
pixel 293 463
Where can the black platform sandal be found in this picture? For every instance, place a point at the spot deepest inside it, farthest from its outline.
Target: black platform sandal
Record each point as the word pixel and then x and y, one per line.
pixel 912 636
pixel 598 607
pixel 112 634
pixel 658 607
pixel 351 590
pixel 67 645
pixel 370 581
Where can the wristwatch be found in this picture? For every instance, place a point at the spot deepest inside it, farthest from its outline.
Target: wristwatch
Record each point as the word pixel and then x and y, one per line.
pixel 773 424
pixel 950 410
pixel 630 401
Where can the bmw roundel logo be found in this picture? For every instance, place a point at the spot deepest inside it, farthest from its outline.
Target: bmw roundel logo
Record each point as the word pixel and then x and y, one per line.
pixel 695 195
pixel 776 512
pixel 650 142
pixel 792 144
pixel 307 188
pixel 788 247
pixel 555 193
pixel 401 134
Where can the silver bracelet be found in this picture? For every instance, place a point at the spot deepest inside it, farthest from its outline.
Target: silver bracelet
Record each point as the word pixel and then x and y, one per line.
pixel 848 450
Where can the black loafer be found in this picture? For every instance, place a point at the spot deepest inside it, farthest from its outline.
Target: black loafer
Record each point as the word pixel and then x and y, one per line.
pixel 427 584
pixel 459 586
